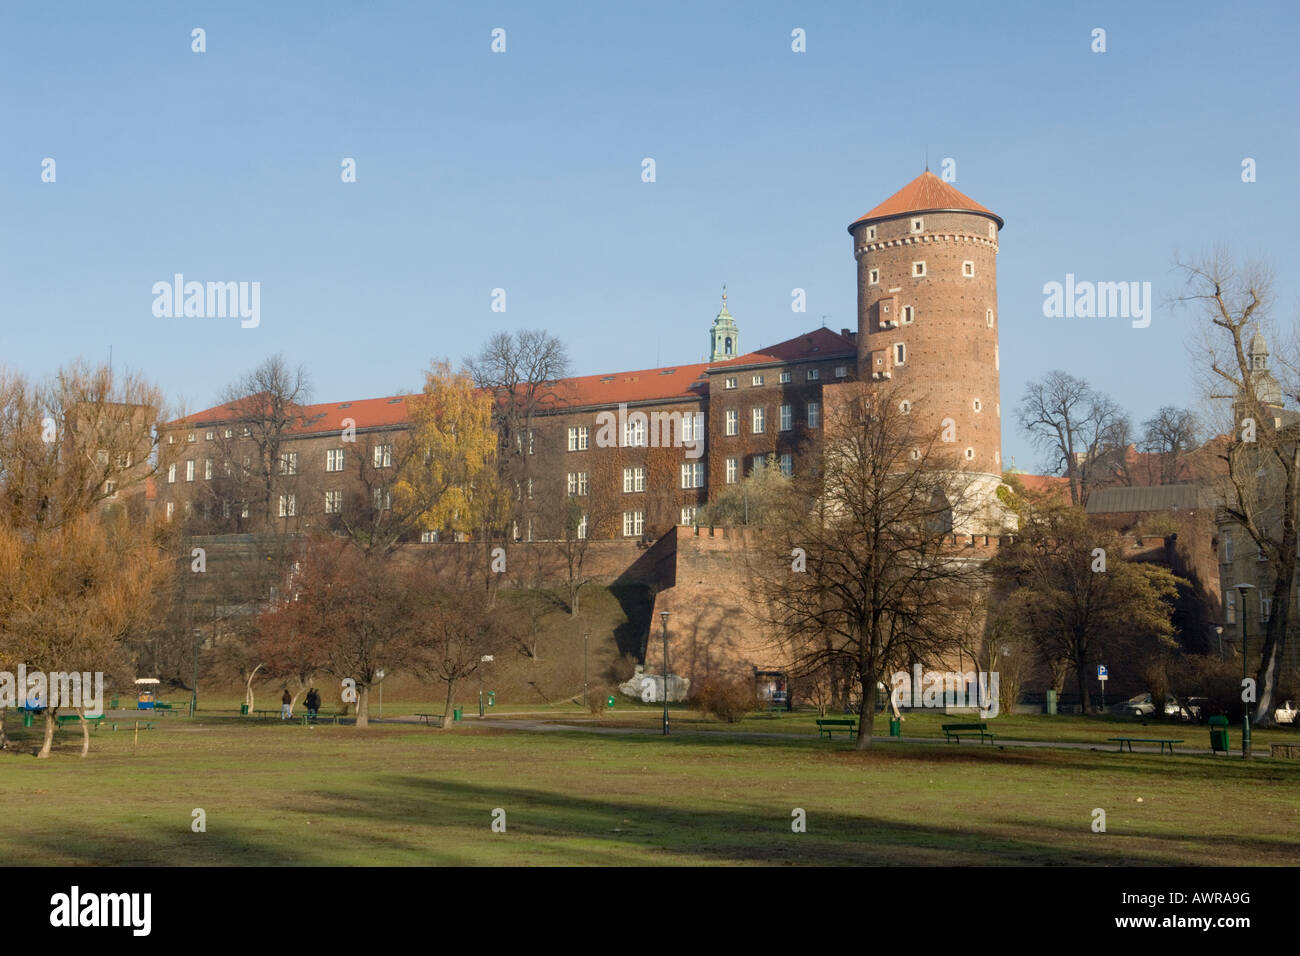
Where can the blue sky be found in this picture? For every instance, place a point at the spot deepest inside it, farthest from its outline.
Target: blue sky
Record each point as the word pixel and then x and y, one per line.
pixel 522 171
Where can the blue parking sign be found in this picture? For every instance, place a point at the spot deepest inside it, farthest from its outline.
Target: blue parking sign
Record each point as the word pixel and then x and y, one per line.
pixel 1102 673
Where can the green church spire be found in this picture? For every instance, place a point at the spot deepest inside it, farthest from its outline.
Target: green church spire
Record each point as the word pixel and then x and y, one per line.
pixel 724 338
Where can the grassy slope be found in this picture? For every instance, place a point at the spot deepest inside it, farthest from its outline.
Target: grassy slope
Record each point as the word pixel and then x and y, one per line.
pixel 402 795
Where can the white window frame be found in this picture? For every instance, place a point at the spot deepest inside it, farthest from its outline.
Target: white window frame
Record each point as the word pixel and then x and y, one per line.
pixel 633 479
pixel 900 358
pixel 968 269
pixel 731 419
pixel 171 474
pixel 814 414
pixel 873 277
pixel 787 464
pixel 918 224
pixel 733 470
pixel 579 438
pixel 383 456
pixel 814 374
pixel 786 422
pixel 918 269
pixel 785 378
pixel 189 470
pixel 288 463
pixel 756 380
pixel 207 469
pixel 633 524
pixel 334 459
pixel 758 419
pixel 288 506
pixel 634 433
pixel 909 315
pixel 693 474
pixel 729 383
pixel 333 502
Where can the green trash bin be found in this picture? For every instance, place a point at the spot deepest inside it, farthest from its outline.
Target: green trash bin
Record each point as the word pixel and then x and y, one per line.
pixel 1219 734
pixel 895 727
pixel 243 710
pixel 1051 702
pixel 455 715
pixel 114 704
pixel 27 718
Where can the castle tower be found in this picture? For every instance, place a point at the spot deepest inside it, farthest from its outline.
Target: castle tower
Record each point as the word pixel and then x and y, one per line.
pixel 928 314
pixel 724 338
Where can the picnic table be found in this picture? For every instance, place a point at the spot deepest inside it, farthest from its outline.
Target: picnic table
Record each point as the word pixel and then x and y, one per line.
pixel 430 718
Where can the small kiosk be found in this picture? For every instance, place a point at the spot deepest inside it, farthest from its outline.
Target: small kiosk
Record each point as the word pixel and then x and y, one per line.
pixel 144 692
pixel 774 688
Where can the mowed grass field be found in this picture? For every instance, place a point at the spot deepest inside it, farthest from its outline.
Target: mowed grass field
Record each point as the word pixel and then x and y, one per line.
pixel 405 795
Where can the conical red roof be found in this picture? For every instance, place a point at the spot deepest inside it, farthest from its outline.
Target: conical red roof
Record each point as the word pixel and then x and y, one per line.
pixel 926 193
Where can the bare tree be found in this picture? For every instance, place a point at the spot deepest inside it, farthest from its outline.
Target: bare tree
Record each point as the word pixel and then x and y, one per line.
pixel 1170 435
pixel 1083 433
pixel 1260 487
pixel 860 569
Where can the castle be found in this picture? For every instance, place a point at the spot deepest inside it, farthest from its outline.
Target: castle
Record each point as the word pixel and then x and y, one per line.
pixel 927 319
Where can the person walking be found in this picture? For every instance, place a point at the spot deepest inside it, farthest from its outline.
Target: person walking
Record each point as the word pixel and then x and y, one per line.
pixel 286 705
pixel 313 703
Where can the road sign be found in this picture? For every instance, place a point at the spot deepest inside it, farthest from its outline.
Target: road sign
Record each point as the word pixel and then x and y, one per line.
pixel 1102 673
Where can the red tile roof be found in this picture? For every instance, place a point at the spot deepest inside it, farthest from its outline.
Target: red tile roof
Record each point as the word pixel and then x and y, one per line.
pixel 925 193
pixel 817 344
pixel 666 384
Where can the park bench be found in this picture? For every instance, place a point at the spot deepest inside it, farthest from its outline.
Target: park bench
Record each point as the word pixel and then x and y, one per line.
pixel 434 720
pixel 307 718
pixel 1144 740
pixel 268 714
pixel 829 726
pixel 69 718
pixel 132 725
pixel 955 732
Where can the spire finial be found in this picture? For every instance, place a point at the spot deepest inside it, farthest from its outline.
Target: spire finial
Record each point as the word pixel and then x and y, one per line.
pixel 724 295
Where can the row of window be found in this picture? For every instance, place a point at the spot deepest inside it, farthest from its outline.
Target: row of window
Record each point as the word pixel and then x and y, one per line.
pixel 908 317
pixel 758 419
pixel 288 504
pixel 812 375
pixel 918 226
pixel 919 271
pixel 382 456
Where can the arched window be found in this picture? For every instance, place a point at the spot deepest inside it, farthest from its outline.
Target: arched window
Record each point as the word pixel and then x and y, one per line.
pixel 727 346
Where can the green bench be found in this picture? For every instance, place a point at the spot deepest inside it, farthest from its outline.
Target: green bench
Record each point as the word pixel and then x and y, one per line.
pixel 1144 740
pixel 829 726
pixel 62 719
pixel 955 732
pixel 307 718
pixel 430 718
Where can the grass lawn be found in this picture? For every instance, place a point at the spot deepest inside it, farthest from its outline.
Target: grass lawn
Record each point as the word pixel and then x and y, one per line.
pixel 400 794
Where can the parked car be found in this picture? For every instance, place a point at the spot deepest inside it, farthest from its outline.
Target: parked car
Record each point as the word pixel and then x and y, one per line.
pixel 1286 714
pixel 1143 706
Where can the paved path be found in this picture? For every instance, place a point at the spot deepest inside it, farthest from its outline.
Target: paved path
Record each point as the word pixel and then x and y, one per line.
pixel 550 726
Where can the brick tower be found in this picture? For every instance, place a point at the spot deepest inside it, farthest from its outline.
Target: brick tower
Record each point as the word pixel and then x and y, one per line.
pixel 928 318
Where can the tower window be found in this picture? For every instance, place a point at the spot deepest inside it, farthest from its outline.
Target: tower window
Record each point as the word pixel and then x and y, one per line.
pixel 968 269
pixel 900 353
pixel 905 406
pixel 871 232
pixel 918 225
pixel 726 348
pixel 970 454
pixel 988 318
pixel 909 314
pixel 915 455
pixel 977 405
pixel 873 277
pixel 918 269
pixel 993 230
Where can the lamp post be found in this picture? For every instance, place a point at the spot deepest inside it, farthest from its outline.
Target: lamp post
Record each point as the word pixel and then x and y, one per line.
pixel 585 635
pixel 1219 631
pixel 1245 717
pixel 663 617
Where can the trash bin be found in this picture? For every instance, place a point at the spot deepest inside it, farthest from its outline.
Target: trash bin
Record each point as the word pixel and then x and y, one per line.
pixel 1219 734
pixel 114 704
pixel 27 718
pixel 1051 702
pixel 895 727
pixel 455 714
pixel 492 698
pixel 243 710
pixel 609 701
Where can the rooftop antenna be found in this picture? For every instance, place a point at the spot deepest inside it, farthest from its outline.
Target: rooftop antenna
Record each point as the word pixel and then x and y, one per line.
pixel 824 318
pixel 927 157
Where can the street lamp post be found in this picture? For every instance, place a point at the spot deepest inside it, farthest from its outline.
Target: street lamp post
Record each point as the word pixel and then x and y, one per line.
pixel 1219 631
pixel 1245 717
pixel 663 617
pixel 585 635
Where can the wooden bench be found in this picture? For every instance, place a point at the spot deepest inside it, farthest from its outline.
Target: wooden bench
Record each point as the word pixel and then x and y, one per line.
pixel 430 718
pixel 830 725
pixel 955 732
pixel 1144 740
pixel 277 712
pixel 62 719
pixel 307 718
